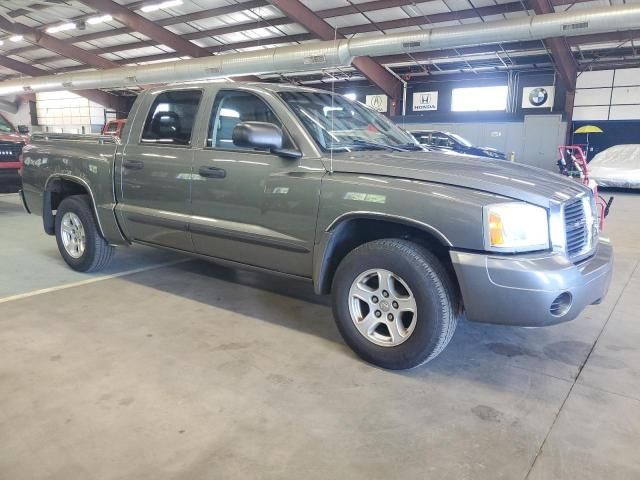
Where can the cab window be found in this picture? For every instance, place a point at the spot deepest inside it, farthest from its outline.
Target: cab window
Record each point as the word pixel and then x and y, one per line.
pixel 171 117
pixel 232 107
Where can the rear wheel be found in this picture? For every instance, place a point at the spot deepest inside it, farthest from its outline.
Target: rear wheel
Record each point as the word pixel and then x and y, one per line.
pixel 79 240
pixel 394 303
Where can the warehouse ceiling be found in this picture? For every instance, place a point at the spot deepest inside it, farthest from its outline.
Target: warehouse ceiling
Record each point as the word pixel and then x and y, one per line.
pixel 53 36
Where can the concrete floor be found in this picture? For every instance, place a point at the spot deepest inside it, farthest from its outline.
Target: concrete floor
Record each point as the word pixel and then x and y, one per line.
pixel 191 371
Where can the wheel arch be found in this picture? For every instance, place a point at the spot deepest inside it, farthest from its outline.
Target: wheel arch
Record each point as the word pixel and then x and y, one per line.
pixel 57 188
pixel 354 229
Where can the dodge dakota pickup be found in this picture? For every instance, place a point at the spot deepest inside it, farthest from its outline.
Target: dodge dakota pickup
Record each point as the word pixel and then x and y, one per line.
pixel 311 185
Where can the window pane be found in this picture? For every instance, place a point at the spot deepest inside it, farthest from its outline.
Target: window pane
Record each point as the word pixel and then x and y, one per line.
pixel 171 117
pixel 5 126
pixel 479 99
pixel 230 109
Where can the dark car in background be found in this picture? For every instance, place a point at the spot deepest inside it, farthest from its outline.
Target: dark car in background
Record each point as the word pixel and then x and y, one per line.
pixel 447 141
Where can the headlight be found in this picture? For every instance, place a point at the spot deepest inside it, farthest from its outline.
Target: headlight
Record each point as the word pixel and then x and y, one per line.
pixel 516 227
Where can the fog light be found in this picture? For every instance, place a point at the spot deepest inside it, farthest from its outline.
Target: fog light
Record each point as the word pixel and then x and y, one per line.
pixel 561 305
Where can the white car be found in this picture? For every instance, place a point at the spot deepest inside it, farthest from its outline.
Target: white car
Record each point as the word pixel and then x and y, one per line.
pixel 617 166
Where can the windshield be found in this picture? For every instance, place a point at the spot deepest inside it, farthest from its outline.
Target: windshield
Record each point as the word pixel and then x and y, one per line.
pixel 5 126
pixel 461 140
pixel 336 123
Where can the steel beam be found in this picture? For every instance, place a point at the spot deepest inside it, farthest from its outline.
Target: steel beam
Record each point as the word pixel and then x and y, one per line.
pixel 375 72
pixel 55 45
pixel 148 28
pixel 566 65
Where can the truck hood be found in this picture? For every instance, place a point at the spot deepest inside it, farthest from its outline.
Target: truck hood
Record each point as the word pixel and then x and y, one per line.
pixel 517 181
pixel 13 137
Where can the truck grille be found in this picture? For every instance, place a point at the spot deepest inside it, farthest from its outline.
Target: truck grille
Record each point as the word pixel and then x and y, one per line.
pixel 580 228
pixel 10 152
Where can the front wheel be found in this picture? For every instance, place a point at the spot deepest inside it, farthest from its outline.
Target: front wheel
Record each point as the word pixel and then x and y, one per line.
pixel 78 237
pixel 394 303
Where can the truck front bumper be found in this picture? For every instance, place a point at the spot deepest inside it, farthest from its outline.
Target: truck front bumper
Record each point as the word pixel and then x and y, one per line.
pixel 531 290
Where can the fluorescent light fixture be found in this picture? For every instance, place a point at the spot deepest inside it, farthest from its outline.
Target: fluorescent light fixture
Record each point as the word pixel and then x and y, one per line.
pixel 101 19
pixel 16 38
pixel 351 96
pixel 61 28
pixel 1 42
pixel 159 6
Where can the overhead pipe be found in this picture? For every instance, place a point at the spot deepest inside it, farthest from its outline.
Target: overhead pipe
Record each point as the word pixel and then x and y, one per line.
pixel 334 53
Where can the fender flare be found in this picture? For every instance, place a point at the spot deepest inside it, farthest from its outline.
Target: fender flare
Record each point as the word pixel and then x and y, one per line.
pixel 325 247
pixel 46 207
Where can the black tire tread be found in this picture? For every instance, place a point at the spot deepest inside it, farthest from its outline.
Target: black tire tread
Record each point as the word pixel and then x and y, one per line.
pixel 102 251
pixel 428 263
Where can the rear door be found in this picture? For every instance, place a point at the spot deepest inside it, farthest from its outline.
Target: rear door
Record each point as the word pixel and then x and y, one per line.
pixel 155 169
pixel 252 206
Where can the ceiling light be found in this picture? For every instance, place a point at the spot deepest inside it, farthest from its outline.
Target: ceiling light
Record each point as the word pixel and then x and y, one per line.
pixel 62 27
pixel 158 6
pixel 1 42
pixel 16 38
pixel 351 96
pixel 102 19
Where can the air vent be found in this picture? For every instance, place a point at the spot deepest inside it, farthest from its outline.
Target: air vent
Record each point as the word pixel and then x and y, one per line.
pixel 410 44
pixel 575 26
pixel 315 59
pixel 131 79
pixel 67 84
pixel 216 69
pixel 27 88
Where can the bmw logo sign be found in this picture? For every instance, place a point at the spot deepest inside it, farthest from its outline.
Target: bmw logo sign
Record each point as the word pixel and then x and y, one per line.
pixel 538 96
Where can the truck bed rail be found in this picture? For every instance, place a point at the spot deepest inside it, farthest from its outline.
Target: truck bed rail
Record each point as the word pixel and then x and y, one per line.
pixel 76 137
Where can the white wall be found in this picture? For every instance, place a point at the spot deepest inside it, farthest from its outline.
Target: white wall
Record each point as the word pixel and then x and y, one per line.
pixel 67 112
pixel 21 117
pixel 608 95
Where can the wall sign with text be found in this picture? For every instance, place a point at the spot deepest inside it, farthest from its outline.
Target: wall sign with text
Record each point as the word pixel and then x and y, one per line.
pixel 425 101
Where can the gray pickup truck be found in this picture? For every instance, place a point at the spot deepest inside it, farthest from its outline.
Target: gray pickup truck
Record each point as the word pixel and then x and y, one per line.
pixel 308 184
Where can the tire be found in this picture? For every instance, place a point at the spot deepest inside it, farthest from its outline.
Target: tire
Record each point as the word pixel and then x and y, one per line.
pixel 96 253
pixel 416 273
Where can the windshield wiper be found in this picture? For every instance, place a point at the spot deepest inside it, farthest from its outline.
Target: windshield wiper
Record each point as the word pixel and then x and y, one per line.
pixel 414 147
pixel 380 146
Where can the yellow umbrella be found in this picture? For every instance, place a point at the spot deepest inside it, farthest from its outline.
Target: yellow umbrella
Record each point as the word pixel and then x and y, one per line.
pixel 589 129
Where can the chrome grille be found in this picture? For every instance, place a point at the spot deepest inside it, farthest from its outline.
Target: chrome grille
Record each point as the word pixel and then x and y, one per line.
pixel 580 230
pixel 10 152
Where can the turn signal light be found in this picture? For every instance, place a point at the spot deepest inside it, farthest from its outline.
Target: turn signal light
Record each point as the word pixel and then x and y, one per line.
pixel 495 229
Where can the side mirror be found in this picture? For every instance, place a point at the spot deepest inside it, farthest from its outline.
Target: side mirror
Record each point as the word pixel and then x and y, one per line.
pixel 23 129
pixel 262 135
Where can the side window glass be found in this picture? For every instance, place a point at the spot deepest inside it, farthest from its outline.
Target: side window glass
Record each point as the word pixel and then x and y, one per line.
pixel 232 107
pixel 171 117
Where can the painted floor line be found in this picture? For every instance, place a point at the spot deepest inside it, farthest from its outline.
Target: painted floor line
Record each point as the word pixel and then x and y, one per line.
pixel 91 280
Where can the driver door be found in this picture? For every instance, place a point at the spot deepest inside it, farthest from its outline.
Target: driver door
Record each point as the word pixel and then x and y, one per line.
pixel 249 205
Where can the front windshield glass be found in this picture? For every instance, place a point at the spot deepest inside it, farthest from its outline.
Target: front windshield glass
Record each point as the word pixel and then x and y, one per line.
pixel 461 140
pixel 338 124
pixel 5 126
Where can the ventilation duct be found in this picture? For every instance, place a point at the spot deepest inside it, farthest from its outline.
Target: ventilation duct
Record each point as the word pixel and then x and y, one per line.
pixel 328 54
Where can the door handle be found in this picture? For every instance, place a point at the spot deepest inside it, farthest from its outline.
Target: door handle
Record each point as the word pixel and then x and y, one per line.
pixel 212 172
pixel 133 164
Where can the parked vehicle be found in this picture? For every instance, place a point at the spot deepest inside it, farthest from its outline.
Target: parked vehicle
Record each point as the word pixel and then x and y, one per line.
pixel 114 127
pixel 298 182
pixel 12 140
pixel 446 141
